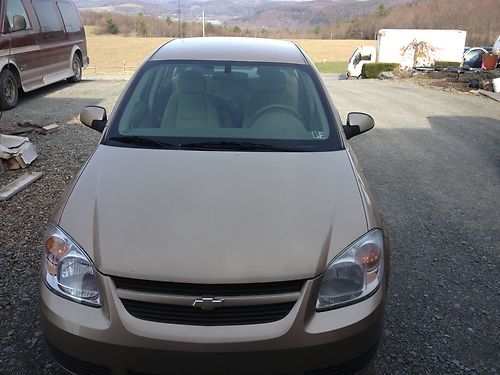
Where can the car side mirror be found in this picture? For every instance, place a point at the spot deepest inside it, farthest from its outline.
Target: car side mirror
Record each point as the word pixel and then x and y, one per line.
pixel 19 23
pixel 94 117
pixel 357 123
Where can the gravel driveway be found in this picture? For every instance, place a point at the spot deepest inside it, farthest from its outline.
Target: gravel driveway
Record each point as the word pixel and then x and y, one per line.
pixel 433 162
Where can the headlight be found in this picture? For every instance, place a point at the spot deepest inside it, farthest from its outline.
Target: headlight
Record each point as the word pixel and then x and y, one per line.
pixel 355 274
pixel 67 270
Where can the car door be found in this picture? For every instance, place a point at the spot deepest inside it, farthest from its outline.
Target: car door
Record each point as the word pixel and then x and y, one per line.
pixel 54 46
pixel 24 50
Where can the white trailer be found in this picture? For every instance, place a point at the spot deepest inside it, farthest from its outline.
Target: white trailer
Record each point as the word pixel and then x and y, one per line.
pixel 394 46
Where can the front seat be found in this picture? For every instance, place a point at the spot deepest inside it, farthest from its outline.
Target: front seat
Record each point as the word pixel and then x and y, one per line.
pixel 190 106
pixel 271 91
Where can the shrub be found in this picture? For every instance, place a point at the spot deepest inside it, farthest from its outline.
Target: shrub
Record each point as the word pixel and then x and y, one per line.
pixel 111 27
pixel 447 64
pixel 372 70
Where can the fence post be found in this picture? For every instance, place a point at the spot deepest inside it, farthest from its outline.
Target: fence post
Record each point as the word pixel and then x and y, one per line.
pixel 124 62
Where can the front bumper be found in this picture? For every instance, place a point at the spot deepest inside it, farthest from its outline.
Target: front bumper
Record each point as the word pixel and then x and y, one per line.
pixel 108 340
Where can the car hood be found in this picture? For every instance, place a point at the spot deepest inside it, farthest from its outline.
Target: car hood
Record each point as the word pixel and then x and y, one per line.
pixel 214 216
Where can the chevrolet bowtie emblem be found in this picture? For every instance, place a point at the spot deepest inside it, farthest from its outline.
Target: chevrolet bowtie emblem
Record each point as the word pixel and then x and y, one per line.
pixel 207 303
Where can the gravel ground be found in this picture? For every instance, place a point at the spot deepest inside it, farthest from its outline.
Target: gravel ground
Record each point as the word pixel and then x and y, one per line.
pixel 433 163
pixel 24 216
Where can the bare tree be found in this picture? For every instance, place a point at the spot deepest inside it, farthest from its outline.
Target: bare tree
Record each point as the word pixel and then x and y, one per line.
pixel 421 50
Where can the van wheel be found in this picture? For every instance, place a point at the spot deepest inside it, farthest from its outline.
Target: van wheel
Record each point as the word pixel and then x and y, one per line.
pixel 9 92
pixel 76 66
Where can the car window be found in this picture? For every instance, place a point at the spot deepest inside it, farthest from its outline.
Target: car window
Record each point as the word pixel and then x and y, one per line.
pixel 70 16
pixel 48 17
pixel 16 8
pixel 474 58
pixel 278 104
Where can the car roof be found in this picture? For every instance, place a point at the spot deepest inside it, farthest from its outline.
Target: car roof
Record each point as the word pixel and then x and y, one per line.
pixel 231 49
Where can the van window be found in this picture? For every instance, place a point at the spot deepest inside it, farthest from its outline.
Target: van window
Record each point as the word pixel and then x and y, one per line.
pixel 48 17
pixel 70 16
pixel 16 8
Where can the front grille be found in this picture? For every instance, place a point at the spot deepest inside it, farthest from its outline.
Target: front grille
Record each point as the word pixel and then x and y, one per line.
pixel 233 315
pixel 218 290
pixel 76 366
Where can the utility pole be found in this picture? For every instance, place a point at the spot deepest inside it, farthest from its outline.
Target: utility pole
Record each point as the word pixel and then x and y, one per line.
pixel 179 16
pixel 203 21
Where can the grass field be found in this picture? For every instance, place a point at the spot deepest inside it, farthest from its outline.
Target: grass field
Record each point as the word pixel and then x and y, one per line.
pixel 109 53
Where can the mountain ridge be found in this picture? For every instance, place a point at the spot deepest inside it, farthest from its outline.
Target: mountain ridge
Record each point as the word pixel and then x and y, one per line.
pixel 296 14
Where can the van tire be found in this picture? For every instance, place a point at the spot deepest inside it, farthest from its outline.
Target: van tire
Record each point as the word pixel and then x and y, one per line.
pixel 76 66
pixel 9 90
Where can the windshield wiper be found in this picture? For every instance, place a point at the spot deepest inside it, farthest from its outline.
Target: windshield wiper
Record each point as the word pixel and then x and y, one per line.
pixel 234 146
pixel 141 141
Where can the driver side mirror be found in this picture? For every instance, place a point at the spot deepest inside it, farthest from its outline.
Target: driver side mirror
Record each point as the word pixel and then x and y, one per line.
pixel 94 117
pixel 357 123
pixel 19 23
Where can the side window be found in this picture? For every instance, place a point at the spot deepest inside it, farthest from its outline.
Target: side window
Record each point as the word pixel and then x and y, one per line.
pixel 70 16
pixel 16 8
pixel 357 59
pixel 48 17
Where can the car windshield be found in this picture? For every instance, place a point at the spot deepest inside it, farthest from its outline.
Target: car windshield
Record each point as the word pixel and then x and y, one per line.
pixel 224 106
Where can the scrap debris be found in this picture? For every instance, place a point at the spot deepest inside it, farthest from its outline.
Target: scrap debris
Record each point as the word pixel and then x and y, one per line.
pixel 48 129
pixel 16 152
pixel 26 127
pixel 18 184
pixel 29 127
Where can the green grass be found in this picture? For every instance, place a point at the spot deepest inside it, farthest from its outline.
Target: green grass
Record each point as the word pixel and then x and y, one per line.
pixel 332 66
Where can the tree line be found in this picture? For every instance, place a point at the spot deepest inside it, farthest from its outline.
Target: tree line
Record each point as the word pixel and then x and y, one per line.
pixel 479 18
pixel 146 25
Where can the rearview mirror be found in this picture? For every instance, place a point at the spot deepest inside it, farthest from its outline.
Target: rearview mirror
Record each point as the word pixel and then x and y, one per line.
pixel 357 123
pixel 94 117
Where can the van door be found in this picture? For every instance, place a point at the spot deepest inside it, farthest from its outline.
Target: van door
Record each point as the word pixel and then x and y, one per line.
pixel 55 49
pixel 24 51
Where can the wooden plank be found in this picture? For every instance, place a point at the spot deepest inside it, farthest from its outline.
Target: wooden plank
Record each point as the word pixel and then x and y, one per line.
pixel 11 164
pixel 49 129
pixel 492 95
pixel 20 161
pixel 18 184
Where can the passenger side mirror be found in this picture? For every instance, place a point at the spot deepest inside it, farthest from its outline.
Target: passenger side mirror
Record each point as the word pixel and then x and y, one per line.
pixel 357 123
pixel 94 117
pixel 19 23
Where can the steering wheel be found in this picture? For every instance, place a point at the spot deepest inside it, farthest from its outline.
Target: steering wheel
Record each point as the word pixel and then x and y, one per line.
pixel 275 108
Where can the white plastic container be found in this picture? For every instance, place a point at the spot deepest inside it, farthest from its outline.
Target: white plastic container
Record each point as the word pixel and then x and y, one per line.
pixel 496 84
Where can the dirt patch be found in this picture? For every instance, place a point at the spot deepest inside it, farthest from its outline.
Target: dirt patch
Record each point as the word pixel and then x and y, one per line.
pixel 443 84
pixel 454 81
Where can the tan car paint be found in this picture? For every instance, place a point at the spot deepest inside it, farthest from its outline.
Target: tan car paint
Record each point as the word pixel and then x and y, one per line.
pixel 292 228
pixel 190 227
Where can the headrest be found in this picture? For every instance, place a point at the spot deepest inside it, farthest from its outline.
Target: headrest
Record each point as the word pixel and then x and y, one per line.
pixel 272 80
pixel 191 81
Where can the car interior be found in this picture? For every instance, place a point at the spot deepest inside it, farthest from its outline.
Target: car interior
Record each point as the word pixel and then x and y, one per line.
pixel 225 100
